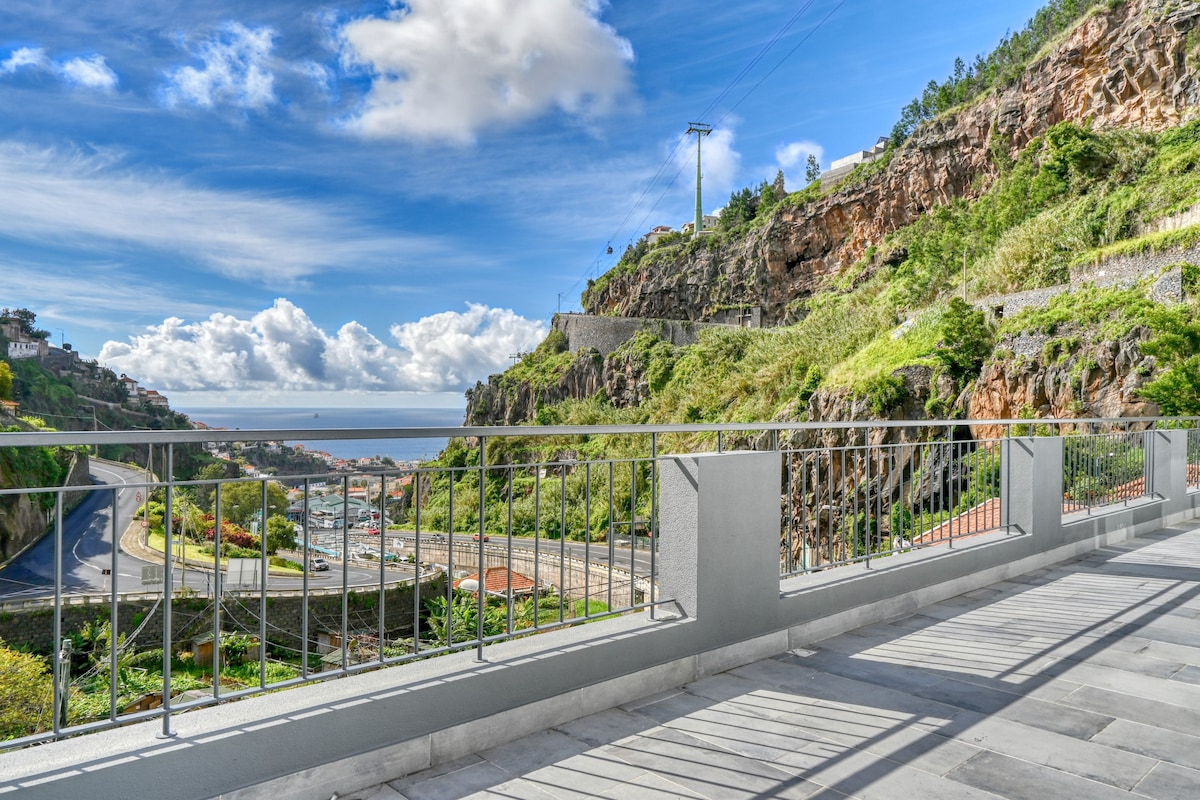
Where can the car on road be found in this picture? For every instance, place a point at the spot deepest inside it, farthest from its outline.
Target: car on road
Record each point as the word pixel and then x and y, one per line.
pixel 372 531
pixel 317 565
pixel 476 537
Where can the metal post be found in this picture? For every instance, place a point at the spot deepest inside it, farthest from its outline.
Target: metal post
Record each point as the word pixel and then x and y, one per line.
pixel 63 686
pixel 168 598
pixel 112 612
pixel 481 590
pixel 217 590
pixel 59 702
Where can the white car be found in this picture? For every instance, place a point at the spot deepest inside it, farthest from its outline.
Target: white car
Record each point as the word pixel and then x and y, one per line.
pixel 317 565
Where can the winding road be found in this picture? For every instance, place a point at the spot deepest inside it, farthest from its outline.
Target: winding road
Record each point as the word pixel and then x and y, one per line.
pixel 89 563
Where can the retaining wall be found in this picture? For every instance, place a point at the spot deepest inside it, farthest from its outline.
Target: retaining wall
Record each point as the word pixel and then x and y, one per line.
pixel 606 334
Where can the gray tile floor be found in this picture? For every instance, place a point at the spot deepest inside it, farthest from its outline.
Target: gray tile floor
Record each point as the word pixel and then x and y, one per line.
pixel 1081 681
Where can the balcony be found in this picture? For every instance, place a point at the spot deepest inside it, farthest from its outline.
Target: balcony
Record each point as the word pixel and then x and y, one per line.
pixel 779 537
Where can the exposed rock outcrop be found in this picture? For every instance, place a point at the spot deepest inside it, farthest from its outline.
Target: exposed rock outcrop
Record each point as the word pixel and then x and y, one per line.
pixel 1097 378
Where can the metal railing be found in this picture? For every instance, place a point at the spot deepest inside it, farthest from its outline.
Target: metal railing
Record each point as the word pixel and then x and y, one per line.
pixel 853 503
pixel 514 531
pixel 1102 469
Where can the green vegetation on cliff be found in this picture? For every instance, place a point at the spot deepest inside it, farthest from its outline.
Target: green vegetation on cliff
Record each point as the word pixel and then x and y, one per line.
pixel 1072 191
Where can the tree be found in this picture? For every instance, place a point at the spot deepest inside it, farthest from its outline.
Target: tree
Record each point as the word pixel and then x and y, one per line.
pixel 459 621
pixel 1177 348
pixel 281 534
pixel 6 381
pixel 738 211
pixel 26 318
pixel 214 471
pixel 966 341
pixel 812 169
pixel 779 185
pixel 26 694
pixel 242 502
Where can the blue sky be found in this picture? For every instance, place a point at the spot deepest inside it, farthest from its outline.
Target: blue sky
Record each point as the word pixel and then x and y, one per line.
pixel 374 203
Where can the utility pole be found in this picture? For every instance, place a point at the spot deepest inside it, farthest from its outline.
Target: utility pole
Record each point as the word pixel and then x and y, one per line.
pixel 701 130
pixel 964 276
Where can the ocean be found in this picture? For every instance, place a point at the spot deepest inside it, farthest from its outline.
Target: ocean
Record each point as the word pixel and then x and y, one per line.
pixel 327 418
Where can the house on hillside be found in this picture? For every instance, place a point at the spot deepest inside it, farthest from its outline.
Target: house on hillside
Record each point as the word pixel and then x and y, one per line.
pixel 20 344
pixel 36 348
pixel 658 232
pixel 153 398
pixel 842 167
pixel 498 581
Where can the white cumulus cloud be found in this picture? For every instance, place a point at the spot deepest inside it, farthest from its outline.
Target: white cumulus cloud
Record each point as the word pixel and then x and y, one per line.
pixel 92 73
pixel 24 57
pixel 795 154
pixel 237 69
pixel 448 68
pixel 282 349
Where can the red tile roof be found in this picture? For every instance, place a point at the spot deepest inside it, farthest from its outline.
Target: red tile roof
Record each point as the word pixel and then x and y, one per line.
pixel 497 581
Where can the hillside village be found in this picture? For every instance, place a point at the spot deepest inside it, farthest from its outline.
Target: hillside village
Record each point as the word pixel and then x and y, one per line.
pixel 26 343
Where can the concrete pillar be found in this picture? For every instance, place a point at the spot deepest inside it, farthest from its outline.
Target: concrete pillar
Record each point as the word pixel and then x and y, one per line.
pixel 1168 470
pixel 719 525
pixel 1031 485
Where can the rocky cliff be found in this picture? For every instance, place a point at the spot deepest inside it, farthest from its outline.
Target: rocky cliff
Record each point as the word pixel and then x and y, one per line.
pixel 1130 66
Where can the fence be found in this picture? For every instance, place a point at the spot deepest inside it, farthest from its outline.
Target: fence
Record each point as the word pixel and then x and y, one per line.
pixel 532 528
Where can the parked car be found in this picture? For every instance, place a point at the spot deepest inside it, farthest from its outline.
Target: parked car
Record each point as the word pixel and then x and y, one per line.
pixel 317 565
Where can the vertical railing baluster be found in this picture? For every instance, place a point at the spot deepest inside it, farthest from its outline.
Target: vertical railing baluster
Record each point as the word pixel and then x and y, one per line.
pixel 652 530
pixel 481 589
pixel 216 629
pixel 168 593
pixel 587 539
pixel 113 620
pixel 305 560
pixel 511 624
pixel 418 585
pixel 450 471
pixel 262 588
pixel 345 577
pixel 61 662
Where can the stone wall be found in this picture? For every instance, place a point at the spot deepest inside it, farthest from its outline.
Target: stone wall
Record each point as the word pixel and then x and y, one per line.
pixel 193 616
pixel 606 334
pixel 572 577
pixel 1118 271
pixel 1127 270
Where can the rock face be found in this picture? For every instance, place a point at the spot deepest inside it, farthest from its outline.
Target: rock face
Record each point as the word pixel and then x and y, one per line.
pixel 505 402
pixel 1127 67
pixel 1092 379
pixel 620 378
